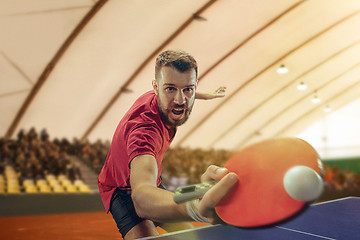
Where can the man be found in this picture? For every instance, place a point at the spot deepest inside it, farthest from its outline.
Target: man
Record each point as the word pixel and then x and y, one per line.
pixel 130 183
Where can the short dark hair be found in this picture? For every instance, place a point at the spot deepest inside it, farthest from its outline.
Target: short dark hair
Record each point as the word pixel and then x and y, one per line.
pixel 177 59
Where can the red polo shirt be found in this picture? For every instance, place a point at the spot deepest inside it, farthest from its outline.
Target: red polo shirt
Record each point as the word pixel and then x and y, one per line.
pixel 141 131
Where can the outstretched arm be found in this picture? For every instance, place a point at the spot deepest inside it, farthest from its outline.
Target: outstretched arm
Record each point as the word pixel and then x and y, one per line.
pixel 218 93
pixel 151 202
pixel 158 205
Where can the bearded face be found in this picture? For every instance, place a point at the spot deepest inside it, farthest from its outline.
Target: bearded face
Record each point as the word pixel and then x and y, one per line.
pixel 176 94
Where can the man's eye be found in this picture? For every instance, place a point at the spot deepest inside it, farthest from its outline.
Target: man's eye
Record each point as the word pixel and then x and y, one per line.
pixel 188 89
pixel 170 89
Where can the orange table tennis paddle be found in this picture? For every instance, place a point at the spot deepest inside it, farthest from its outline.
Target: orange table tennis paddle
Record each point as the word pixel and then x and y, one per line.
pixel 277 178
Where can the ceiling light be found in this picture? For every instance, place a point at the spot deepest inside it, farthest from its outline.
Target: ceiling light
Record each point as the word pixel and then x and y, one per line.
pixel 315 99
pixel 302 86
pixel 327 108
pixel 282 69
pixel 199 18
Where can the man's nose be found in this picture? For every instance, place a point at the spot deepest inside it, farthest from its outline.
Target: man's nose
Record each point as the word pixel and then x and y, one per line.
pixel 179 98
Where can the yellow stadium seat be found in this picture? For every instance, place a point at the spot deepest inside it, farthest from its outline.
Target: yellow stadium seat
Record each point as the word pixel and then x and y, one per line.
pixel 84 189
pixel 28 182
pixel 53 182
pixel 9 169
pixel 31 189
pixel 13 190
pixel 61 178
pixel 44 188
pixel 40 182
pixel 10 172
pixel 2 187
pixel 71 188
pixel 11 176
pixel 50 177
pixel 13 184
pixel 66 182
pixel 78 183
pixel 58 189
pixel 12 180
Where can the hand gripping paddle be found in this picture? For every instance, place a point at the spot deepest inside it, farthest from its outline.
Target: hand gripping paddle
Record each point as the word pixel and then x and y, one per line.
pixel 277 178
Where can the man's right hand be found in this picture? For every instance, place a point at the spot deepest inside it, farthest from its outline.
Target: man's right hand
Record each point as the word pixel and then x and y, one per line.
pixel 226 181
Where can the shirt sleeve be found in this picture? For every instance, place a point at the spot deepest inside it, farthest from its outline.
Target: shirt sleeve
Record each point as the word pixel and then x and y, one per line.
pixel 144 140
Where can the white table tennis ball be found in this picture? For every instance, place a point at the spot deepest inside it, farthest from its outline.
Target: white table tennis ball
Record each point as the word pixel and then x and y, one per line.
pixel 303 183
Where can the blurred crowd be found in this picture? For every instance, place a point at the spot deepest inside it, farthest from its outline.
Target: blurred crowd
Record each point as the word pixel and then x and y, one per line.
pixel 33 155
pixel 92 154
pixel 338 179
pixel 185 166
pixel 182 166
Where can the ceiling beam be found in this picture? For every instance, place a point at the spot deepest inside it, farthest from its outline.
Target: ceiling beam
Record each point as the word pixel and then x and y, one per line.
pixel 49 68
pixel 17 68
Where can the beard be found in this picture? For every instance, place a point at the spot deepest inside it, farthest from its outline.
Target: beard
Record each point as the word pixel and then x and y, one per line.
pixel 165 112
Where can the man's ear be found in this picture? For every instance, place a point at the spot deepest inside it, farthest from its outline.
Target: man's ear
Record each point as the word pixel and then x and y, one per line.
pixel 155 87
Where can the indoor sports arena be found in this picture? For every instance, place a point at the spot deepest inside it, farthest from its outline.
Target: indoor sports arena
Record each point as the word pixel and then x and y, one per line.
pixel 114 112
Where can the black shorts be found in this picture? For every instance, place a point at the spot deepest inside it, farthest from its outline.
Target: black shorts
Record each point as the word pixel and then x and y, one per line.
pixel 123 211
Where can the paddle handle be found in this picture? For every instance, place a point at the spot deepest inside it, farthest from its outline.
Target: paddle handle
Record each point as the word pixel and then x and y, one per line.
pixel 191 192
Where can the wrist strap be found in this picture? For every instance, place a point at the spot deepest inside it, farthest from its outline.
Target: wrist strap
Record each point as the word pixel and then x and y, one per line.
pixel 192 210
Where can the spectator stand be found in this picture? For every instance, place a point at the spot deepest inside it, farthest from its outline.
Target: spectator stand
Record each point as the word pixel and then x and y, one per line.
pixel 33 164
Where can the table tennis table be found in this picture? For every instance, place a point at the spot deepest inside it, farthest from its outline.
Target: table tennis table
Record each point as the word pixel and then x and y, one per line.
pixel 337 219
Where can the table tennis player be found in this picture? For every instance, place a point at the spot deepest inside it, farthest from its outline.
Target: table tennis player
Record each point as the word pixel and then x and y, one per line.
pixel 130 183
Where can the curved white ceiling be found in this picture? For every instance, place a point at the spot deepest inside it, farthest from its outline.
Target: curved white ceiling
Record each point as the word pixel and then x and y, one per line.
pixel 75 67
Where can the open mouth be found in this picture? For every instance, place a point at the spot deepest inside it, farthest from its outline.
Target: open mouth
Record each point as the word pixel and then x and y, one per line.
pixel 178 111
